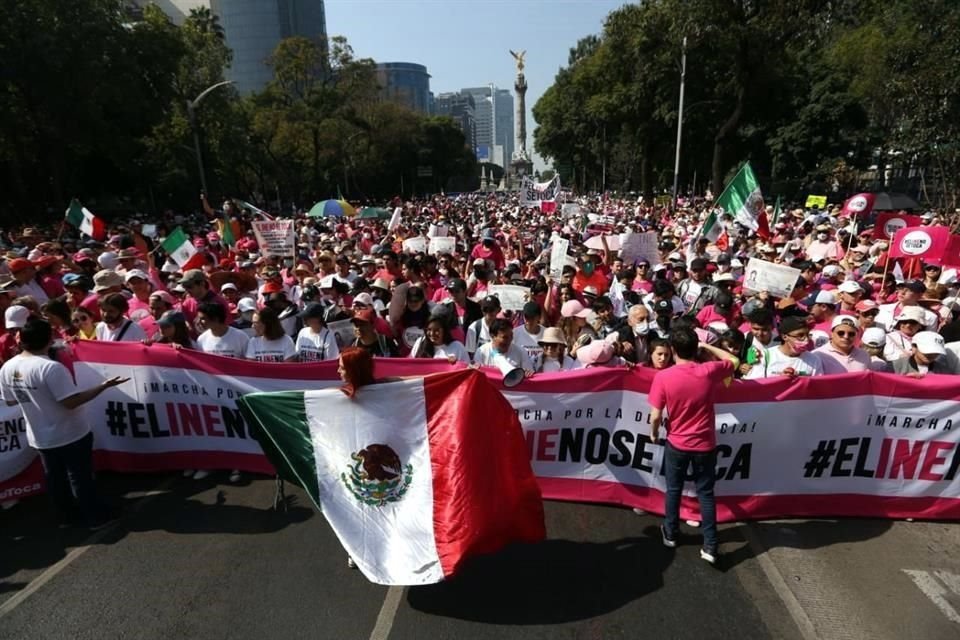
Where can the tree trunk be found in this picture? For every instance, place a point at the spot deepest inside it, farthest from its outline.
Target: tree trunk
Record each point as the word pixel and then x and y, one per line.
pixel 718 170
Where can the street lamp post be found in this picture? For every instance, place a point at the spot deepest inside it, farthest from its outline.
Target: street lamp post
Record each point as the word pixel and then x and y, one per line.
pixel 192 116
pixel 676 163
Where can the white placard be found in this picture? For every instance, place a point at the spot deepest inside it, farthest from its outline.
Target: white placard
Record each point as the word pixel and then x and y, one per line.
pixel 149 230
pixel 641 246
pixel 415 245
pixel 343 330
pixel 512 297
pixel 275 237
pixel 558 257
pixel 778 279
pixel 442 244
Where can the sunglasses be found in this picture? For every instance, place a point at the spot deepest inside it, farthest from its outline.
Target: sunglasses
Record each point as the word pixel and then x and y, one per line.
pixel 846 334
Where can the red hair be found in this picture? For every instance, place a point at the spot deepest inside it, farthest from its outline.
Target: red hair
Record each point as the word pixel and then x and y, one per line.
pixel 357 369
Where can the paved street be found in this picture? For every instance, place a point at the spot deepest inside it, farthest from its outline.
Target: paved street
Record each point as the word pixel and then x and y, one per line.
pixel 209 560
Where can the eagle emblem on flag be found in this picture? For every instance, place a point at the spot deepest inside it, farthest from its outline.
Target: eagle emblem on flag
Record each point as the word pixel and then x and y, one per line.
pixel 377 476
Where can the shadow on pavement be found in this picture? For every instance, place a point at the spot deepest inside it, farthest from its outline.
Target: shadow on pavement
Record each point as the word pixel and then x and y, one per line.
pixel 552 582
pixel 800 534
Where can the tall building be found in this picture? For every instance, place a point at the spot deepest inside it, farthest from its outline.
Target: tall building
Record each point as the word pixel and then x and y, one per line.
pixel 460 107
pixel 405 83
pixel 494 115
pixel 253 29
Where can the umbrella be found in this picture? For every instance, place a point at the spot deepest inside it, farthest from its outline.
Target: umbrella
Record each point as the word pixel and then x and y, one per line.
pixel 332 209
pixel 374 213
pixel 894 202
pixel 613 243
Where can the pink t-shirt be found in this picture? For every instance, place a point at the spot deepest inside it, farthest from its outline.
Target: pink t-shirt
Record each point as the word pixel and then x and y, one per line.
pixel 685 391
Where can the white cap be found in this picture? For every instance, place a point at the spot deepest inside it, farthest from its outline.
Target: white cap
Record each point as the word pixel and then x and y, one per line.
pixel 825 297
pixel 850 286
pixel 910 313
pixel 16 316
pixel 929 343
pixel 136 273
pixel 842 319
pixel 874 337
pixel 831 270
pixel 108 260
pixel 363 298
pixel 228 285
pixel 246 304
pixel 735 263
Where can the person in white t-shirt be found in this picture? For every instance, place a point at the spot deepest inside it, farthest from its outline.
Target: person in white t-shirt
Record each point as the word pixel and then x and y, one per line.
pixel 315 342
pixel 527 336
pixel 501 348
pixel 219 338
pixel 437 342
pixel 56 425
pixel 792 357
pixel 554 357
pixel 115 326
pixel 271 344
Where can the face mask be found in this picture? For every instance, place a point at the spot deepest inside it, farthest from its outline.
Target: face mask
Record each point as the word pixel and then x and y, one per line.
pixel 822 237
pixel 641 328
pixel 588 268
pixel 802 347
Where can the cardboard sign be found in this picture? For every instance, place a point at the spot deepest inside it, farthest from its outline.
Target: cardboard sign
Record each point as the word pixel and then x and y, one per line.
pixel 275 237
pixel 415 245
pixel 777 279
pixel 641 246
pixel 343 332
pixel 558 257
pixel 512 297
pixel 149 230
pixel 442 244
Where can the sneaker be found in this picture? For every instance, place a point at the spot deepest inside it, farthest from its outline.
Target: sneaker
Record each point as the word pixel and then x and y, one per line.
pixel 201 474
pixel 640 512
pixel 711 557
pixel 668 541
pixel 235 476
pixel 350 563
pixel 188 473
pixel 693 523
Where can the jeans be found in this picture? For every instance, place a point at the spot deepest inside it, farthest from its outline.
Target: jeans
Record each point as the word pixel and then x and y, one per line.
pixel 69 474
pixel 676 463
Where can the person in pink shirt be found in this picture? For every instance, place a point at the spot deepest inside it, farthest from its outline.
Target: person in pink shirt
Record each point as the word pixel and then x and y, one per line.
pixel 488 249
pixel 840 355
pixel 139 283
pixel 684 394
pixel 850 294
pixel 822 312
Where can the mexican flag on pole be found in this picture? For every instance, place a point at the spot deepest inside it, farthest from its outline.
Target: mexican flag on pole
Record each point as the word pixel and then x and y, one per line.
pixel 715 231
pixel 742 198
pixel 181 250
pixel 80 217
pixel 414 476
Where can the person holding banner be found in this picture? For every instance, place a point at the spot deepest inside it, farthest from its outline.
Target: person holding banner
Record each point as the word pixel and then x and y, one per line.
pixel 792 357
pixel 501 347
pixel 56 426
pixel 438 342
pixel 315 342
pixel 684 393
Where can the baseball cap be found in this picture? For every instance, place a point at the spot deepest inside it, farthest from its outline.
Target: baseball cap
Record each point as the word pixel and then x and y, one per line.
pixel 170 318
pixel 914 285
pixel 456 284
pixel 192 276
pixel 698 264
pixel 363 298
pixel 825 297
pixel 270 287
pixel 866 305
pixel 19 264
pixel 228 285
pixel 910 313
pixel 929 343
pixel 573 308
pixel 313 310
pixel 163 295
pixel 792 323
pixel 135 273
pixel 874 337
pixel 246 304
pixel 850 286
pixel 363 315
pixel 71 279
pixel 490 303
pixel 597 352
pixel 16 316
pixel 839 320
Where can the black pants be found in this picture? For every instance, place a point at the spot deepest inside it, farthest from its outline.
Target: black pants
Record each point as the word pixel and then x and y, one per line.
pixel 69 475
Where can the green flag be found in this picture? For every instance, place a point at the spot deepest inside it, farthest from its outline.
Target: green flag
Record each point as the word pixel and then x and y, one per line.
pixel 742 199
pixel 776 211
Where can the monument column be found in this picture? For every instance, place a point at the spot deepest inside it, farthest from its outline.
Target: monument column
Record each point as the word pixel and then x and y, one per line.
pixel 520 164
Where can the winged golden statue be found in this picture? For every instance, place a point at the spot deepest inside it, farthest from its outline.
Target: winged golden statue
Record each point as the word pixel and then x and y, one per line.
pixel 519 58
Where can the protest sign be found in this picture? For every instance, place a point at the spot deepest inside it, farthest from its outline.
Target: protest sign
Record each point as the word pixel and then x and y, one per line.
pixel 558 257
pixel 442 244
pixel 816 201
pixel 343 331
pixel 275 237
pixel 512 297
pixel 641 246
pixel 777 279
pixel 888 224
pixel 149 230
pixel 417 244
pixel 534 194
pixel 861 444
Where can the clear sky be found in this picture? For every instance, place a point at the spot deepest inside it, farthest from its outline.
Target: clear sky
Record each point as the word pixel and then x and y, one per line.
pixel 465 43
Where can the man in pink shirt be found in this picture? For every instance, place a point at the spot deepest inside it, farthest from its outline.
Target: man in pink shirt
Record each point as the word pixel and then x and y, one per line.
pixel 840 355
pixel 685 393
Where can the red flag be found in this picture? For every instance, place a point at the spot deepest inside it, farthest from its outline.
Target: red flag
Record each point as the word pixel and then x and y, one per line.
pixel 859 205
pixel 763 226
pixel 929 244
pixel 888 224
pixel 548 206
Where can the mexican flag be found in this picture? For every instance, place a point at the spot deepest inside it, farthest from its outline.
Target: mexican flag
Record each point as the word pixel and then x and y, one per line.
pixel 181 250
pixel 714 230
pixel 777 210
pixel 80 217
pixel 414 476
pixel 742 198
